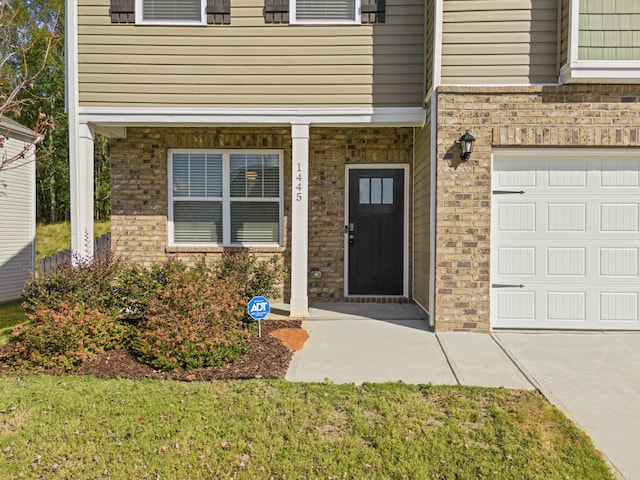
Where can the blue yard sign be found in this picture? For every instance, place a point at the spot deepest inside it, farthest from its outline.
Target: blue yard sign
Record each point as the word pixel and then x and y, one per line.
pixel 258 308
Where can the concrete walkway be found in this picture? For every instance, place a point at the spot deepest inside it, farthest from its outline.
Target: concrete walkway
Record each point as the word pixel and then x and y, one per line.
pixel 357 343
pixel 594 378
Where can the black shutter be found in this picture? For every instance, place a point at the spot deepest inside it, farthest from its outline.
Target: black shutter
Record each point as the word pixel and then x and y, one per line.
pixel 276 11
pixel 373 11
pixel 123 11
pixel 218 12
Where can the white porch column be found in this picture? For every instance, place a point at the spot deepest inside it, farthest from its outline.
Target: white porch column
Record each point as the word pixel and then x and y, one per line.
pixel 81 180
pixel 299 302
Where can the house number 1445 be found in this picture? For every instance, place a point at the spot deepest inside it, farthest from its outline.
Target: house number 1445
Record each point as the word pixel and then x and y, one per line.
pixel 298 186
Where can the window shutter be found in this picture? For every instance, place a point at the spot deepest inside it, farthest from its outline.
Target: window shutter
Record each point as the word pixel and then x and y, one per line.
pixel 276 11
pixel 123 11
pixel 325 10
pixel 373 11
pixel 172 10
pixel 218 12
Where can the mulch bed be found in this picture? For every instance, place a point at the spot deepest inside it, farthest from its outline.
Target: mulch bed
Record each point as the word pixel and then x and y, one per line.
pixel 268 358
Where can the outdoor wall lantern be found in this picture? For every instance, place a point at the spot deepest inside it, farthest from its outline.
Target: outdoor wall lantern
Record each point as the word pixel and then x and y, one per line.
pixel 466 145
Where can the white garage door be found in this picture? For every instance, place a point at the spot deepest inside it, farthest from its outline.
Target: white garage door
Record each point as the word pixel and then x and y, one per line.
pixel 565 240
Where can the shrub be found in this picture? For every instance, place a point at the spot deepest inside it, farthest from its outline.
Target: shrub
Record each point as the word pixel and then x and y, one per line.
pixel 259 277
pixel 66 336
pixel 180 317
pixel 105 285
pixel 195 321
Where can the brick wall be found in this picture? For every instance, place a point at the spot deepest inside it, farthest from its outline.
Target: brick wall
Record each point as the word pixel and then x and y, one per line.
pixel 139 190
pixel 139 193
pixel 537 116
pixel 330 150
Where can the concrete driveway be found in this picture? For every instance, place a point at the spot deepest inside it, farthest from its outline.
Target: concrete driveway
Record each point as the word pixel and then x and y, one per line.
pixel 594 378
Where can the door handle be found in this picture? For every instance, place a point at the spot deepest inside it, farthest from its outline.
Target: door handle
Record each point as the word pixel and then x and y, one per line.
pixel 352 239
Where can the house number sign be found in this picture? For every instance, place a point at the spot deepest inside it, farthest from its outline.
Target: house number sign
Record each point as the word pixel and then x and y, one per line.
pixel 298 183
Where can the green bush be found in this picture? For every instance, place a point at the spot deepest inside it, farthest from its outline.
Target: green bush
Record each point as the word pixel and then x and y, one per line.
pixel 180 317
pixel 259 277
pixel 106 285
pixel 196 321
pixel 66 336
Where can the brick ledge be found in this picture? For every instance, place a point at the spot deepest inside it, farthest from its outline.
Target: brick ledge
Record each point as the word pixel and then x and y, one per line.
pixel 224 249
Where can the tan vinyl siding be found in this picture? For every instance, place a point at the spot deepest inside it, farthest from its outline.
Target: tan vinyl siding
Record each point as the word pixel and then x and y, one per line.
pixel 422 215
pixel 564 45
pixel 609 30
pixel 429 45
pixel 252 64
pixel 17 223
pixel 499 42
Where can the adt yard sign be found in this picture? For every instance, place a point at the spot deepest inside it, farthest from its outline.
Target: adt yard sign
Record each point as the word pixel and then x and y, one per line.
pixel 259 308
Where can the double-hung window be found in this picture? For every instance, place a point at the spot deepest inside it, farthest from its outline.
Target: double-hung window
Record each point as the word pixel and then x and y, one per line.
pixel 225 198
pixel 171 11
pixel 325 11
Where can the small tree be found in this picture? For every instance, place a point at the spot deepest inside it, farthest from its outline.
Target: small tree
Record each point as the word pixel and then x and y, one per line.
pixel 26 43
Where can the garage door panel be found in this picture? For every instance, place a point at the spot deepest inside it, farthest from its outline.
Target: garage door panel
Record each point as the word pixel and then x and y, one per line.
pixel 618 262
pixel 619 217
pixel 517 305
pixel 566 173
pixel 566 252
pixel 566 217
pixel 565 305
pixel 618 173
pixel 513 217
pixel 516 261
pixel 557 308
pixel 619 307
pixel 566 261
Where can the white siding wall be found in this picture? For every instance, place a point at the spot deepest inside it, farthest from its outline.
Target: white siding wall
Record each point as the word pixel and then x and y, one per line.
pixel 17 223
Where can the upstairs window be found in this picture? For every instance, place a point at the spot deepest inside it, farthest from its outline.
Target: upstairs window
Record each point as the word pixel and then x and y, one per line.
pixel 225 198
pixel 171 11
pixel 325 11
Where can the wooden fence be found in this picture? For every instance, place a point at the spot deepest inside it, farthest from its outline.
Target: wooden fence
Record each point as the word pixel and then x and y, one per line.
pixel 48 265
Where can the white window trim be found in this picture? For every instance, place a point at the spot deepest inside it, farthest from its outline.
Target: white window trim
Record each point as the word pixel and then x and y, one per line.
pixel 226 197
pixel 141 21
pixel 599 71
pixel 294 21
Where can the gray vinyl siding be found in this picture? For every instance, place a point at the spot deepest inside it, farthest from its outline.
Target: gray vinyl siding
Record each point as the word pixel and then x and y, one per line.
pixel 250 64
pixel 17 223
pixel 609 30
pixel 499 42
pixel 422 215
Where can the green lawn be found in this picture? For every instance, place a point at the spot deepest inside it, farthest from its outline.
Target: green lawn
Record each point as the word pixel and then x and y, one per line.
pixel 78 427
pixel 57 236
pixel 11 314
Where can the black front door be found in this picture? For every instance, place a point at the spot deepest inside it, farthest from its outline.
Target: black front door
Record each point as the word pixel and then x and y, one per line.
pixel 375 231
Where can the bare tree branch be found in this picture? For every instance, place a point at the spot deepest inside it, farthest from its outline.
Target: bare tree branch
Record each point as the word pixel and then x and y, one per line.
pixel 17 75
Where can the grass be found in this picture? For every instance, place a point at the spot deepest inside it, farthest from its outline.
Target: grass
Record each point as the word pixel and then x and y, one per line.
pixel 79 427
pixel 11 314
pixel 56 237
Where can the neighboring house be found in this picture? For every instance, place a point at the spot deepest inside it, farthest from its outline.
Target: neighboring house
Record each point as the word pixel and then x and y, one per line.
pixel 17 208
pixel 327 132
